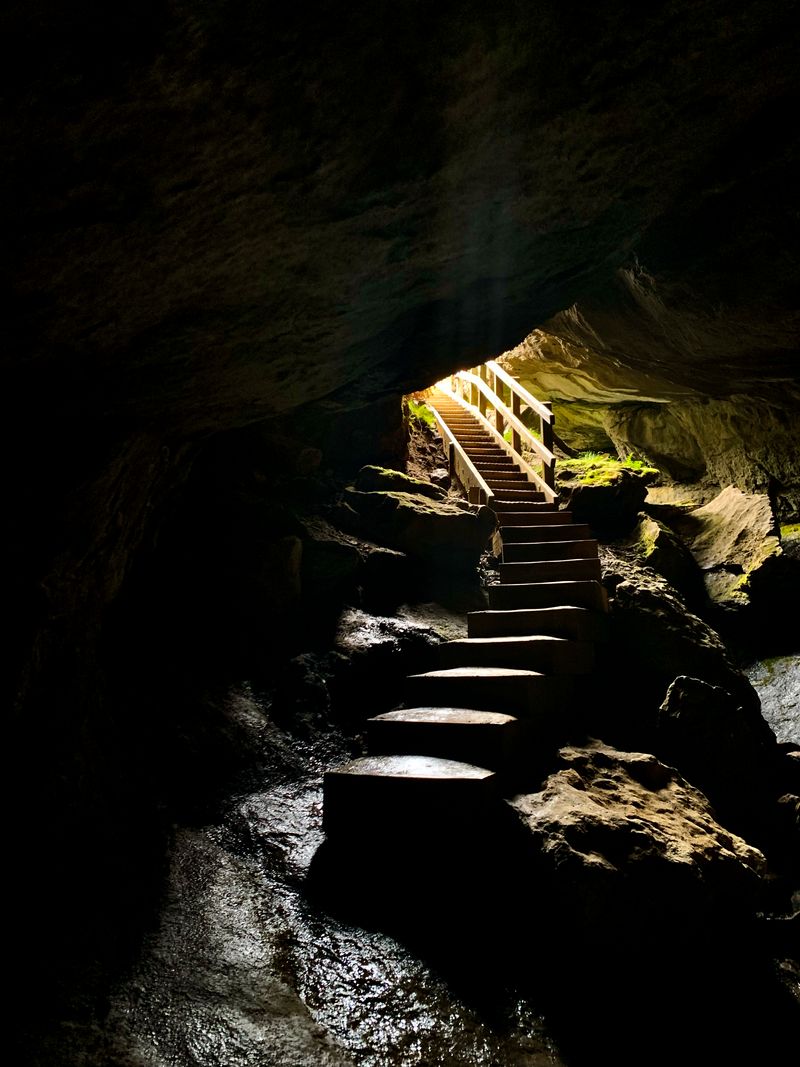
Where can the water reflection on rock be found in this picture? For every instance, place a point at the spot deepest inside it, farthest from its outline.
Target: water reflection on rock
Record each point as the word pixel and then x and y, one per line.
pixel 244 969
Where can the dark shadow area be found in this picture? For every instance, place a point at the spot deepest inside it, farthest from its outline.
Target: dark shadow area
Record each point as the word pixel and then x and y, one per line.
pixel 480 908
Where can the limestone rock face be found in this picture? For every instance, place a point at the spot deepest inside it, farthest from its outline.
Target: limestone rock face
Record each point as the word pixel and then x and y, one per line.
pixel 734 538
pixel 630 850
pixel 228 214
pixel 702 429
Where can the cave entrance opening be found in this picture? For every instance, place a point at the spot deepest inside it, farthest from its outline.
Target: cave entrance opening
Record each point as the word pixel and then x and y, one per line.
pixel 494 430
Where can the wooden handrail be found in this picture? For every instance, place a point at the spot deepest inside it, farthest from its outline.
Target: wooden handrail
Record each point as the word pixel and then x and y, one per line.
pixel 466 470
pixel 482 396
pixel 527 398
pixel 511 418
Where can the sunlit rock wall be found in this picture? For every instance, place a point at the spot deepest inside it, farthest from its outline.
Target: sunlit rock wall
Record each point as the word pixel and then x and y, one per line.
pixel 709 393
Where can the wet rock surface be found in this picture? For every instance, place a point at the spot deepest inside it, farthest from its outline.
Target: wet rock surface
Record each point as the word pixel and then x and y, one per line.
pixel 240 966
pixel 267 943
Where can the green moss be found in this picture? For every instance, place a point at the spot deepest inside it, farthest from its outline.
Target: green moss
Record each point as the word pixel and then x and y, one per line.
pixel 790 530
pixel 418 410
pixel 600 468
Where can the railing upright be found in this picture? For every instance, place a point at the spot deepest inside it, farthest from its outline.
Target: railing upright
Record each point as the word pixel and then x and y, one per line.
pixel 516 409
pixel 546 430
pixel 498 388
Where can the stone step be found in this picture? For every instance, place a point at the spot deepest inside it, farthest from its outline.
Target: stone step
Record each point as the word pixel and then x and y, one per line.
pixel 538 515
pixel 511 690
pixel 535 551
pixel 578 624
pixel 532 652
pixel 551 570
pixel 385 793
pixel 569 531
pixel 514 488
pixel 482 738
pixel 581 594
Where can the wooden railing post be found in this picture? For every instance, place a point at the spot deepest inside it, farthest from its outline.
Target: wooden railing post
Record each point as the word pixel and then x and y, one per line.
pixel 548 469
pixel 499 421
pixel 483 374
pixel 516 409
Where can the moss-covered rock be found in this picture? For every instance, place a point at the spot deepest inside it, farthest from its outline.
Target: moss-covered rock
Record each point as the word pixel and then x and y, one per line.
pixel 445 535
pixel 603 491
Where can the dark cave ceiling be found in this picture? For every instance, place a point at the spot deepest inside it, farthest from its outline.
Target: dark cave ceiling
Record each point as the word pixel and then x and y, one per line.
pixel 222 210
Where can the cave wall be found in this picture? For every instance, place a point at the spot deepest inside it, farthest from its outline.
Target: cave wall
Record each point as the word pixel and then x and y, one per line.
pixel 708 438
pixel 217 216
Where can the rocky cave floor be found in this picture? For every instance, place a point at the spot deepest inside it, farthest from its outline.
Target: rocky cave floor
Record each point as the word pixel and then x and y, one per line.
pixel 250 940
pixel 242 960
pixel 239 964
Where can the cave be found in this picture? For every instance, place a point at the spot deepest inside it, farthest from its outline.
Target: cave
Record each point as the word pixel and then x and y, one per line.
pixel 241 243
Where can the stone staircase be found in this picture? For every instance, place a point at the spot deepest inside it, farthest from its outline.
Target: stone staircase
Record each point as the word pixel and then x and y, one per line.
pixel 474 727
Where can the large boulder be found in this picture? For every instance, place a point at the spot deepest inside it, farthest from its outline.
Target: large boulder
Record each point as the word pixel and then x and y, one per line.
pixel 730 752
pixel 340 568
pixel 380 479
pixel 440 534
pixel 631 854
pixel 660 548
pixel 751 575
pixel 603 492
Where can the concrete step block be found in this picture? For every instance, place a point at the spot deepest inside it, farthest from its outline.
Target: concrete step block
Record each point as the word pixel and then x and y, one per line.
pixel 535 515
pixel 524 694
